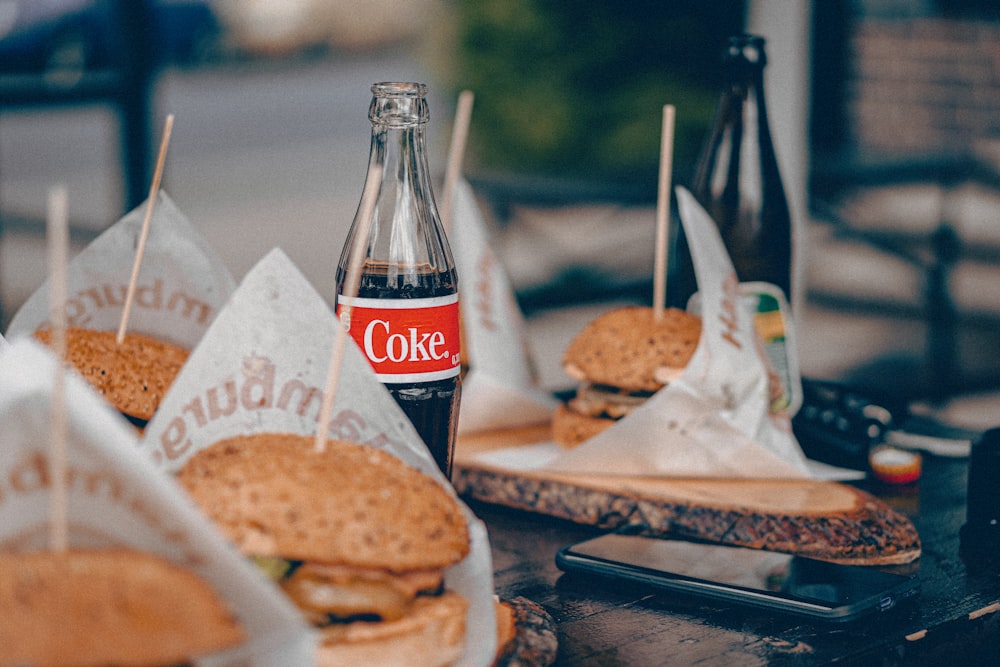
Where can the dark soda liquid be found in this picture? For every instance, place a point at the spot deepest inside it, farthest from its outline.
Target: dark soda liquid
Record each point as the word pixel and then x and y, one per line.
pixel 432 407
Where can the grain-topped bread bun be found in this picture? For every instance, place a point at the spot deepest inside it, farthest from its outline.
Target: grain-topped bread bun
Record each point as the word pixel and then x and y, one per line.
pixel 431 634
pixel 628 348
pixel 570 427
pixel 351 504
pixel 356 538
pixel 620 359
pixel 132 376
pixel 107 607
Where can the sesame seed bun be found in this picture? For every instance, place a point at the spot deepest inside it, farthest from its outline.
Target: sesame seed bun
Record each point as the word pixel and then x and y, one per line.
pixel 620 359
pixel 107 607
pixel 132 376
pixel 570 428
pixel 630 349
pixel 352 504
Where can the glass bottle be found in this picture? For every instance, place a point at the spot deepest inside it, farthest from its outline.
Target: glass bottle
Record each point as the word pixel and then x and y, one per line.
pixel 738 182
pixel 405 316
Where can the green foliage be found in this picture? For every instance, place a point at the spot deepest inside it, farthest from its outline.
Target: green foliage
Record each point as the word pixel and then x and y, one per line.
pixel 576 89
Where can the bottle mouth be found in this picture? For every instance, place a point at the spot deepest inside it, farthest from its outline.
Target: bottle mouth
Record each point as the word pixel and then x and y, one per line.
pixel 398 104
pixel 746 47
pixel 399 89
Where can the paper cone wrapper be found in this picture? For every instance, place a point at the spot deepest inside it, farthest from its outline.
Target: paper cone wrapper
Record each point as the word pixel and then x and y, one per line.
pixel 500 389
pixel 501 406
pixel 717 420
pixel 182 282
pixel 262 367
pixel 117 498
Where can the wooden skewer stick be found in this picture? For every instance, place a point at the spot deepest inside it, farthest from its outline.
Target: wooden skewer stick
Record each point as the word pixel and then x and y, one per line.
pixel 352 285
pixel 456 154
pixel 663 212
pixel 57 232
pixel 144 234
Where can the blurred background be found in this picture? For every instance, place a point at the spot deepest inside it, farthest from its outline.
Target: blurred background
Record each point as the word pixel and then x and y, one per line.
pixel 886 116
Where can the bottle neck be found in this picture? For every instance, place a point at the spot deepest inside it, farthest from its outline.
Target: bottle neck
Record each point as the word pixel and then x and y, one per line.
pixel 743 68
pixel 400 155
pixel 399 115
pixel 404 245
pixel 737 178
pixel 744 111
pixel 745 82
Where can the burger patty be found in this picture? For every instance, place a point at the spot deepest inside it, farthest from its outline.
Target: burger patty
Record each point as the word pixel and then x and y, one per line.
pixel 601 400
pixel 329 593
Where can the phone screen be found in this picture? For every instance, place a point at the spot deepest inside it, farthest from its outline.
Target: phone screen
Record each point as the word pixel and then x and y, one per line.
pixel 795 584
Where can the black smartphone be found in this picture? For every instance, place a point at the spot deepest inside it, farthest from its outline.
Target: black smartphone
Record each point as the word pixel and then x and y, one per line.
pixel 797 585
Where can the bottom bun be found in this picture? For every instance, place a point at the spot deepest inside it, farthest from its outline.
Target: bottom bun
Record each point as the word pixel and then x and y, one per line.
pixel 107 607
pixel 570 428
pixel 506 630
pixel 431 635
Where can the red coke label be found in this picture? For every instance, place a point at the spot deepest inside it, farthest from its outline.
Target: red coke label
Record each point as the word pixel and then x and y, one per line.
pixel 406 340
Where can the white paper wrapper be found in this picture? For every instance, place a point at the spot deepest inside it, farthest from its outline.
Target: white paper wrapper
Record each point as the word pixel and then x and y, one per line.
pixel 182 282
pixel 715 421
pixel 500 389
pixel 262 366
pixel 117 498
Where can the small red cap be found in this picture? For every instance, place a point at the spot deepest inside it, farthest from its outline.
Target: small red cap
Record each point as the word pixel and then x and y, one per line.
pixel 893 465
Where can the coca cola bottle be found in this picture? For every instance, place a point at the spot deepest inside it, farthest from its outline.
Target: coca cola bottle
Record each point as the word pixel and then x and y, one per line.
pixel 405 316
pixel 737 180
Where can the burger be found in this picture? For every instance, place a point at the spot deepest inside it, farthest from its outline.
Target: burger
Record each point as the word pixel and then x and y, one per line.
pixel 82 608
pixel 133 375
pixel 357 539
pixel 620 359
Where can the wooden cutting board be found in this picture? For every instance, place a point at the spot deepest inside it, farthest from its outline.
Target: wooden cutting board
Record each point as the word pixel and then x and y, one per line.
pixel 526 634
pixel 825 520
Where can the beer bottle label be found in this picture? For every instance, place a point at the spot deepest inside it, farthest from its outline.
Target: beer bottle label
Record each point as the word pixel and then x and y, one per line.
pixel 775 328
pixel 406 340
pixel 773 323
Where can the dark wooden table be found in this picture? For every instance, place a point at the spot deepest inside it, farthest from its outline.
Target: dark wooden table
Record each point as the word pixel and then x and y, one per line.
pixel 956 619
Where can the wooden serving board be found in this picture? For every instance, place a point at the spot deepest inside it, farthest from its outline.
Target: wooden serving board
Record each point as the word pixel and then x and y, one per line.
pixel 526 634
pixel 826 520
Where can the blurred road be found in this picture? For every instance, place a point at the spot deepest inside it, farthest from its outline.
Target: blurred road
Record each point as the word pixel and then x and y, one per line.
pixel 273 153
pixel 269 153
pixel 262 154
